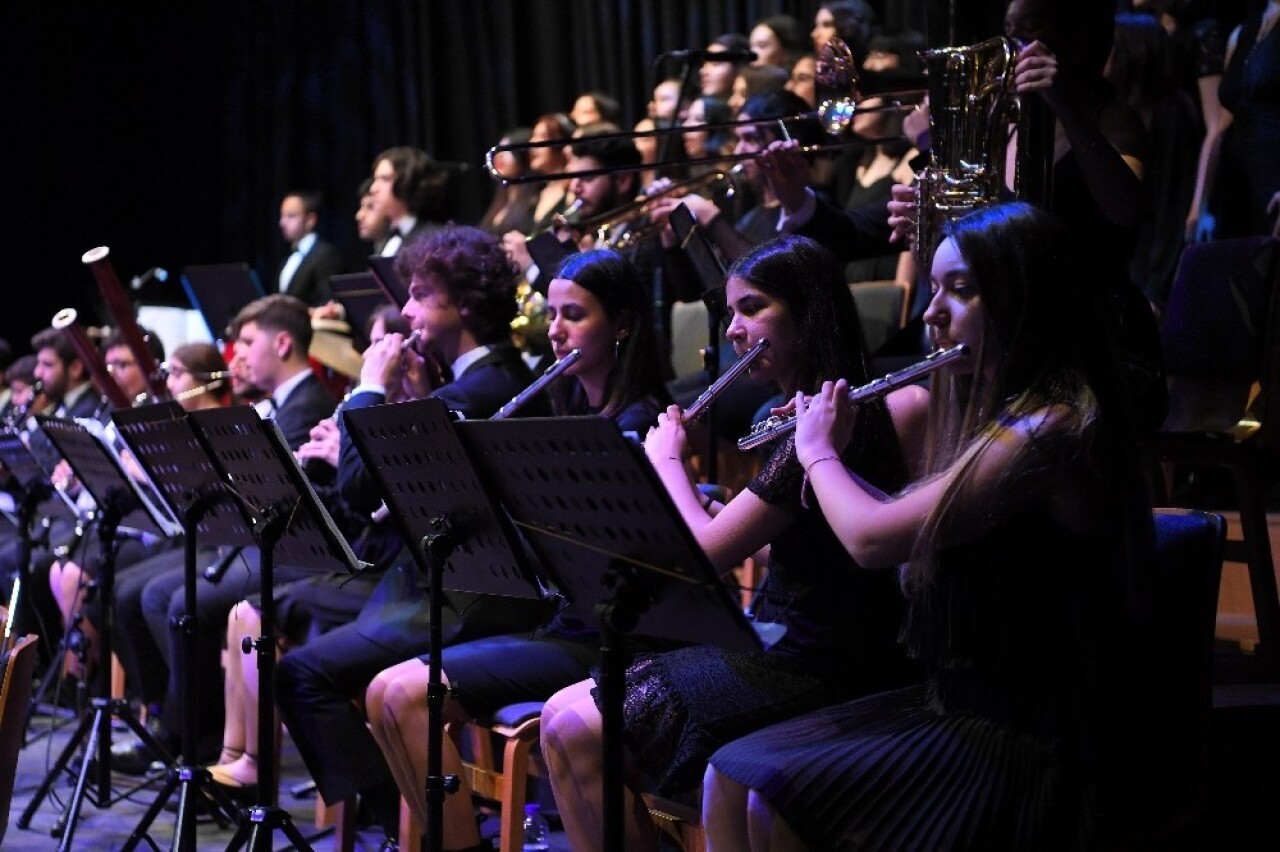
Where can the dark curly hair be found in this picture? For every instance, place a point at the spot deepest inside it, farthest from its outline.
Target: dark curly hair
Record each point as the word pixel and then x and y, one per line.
pixel 420 183
pixel 474 267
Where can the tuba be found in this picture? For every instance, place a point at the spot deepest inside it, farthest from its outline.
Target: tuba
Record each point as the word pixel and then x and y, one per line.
pixel 972 108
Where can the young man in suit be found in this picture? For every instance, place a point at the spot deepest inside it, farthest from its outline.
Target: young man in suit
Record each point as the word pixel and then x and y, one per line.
pixel 273 338
pixel 306 271
pixel 273 334
pixel 462 300
pixel 409 191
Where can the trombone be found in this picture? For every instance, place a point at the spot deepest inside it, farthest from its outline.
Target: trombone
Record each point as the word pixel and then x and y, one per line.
pixel 835 72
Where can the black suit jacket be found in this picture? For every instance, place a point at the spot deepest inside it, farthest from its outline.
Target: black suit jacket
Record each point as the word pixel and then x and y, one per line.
pixel 478 393
pixel 310 282
pixel 851 234
pixel 304 407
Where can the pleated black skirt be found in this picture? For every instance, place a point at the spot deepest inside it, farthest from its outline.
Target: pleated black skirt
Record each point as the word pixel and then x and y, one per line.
pixel 891 772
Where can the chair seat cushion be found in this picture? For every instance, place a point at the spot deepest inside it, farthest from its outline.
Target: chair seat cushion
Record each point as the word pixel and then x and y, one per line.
pixel 516 714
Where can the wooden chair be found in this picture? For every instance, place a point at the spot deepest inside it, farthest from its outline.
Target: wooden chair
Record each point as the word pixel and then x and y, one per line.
pixel 679 823
pixel 516 728
pixel 15 693
pixel 1221 339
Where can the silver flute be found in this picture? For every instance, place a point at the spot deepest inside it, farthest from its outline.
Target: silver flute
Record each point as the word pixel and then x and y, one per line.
pixel 776 426
pixel 703 402
pixel 548 376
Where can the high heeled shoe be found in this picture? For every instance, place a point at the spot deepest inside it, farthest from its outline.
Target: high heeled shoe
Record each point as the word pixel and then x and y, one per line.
pixel 235 789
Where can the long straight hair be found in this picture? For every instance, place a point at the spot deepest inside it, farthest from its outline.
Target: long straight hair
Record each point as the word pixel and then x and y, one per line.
pixel 809 279
pixel 636 374
pixel 1045 345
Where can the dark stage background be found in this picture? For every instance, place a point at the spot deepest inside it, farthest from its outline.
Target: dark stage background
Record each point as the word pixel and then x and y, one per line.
pixel 169 132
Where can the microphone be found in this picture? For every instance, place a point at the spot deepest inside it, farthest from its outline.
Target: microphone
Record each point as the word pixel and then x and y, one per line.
pixel 712 55
pixel 215 572
pixel 159 274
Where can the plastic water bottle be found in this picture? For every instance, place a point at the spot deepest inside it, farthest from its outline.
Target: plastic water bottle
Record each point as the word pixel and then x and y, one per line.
pixel 536 830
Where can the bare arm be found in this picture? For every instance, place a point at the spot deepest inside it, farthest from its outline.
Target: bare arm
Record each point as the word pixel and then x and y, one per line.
pixel 879 531
pixel 1217 119
pixel 737 530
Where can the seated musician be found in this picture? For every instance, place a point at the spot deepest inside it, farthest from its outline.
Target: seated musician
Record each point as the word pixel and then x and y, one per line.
pixel 272 339
pixel 841 622
pixel 597 305
pixel 305 608
pixel 749 226
pixel 68 581
pixel 1025 553
pixel 462 301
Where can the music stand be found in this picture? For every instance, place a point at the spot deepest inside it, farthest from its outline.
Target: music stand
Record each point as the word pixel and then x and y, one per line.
pixel 458 536
pixel 218 291
pixel 169 450
pixel 287 519
pixel 30 487
pixel 361 297
pixel 547 251
pixel 118 498
pixel 696 245
pixel 590 506
pixel 384 272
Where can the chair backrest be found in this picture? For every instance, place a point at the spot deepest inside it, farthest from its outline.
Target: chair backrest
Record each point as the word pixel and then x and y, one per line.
pixel 880 308
pixel 688 336
pixel 15 692
pixel 1220 331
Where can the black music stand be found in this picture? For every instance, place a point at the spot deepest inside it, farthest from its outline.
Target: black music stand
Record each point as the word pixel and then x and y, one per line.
pixel 30 487
pixel 458 535
pixel 711 273
pixel 288 520
pixel 119 499
pixel 170 451
pixel 593 510
pixel 361 297
pixel 547 251
pixel 219 291
pixel 384 272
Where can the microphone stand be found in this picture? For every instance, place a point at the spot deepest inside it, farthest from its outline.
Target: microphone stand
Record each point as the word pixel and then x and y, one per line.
pixel 686 81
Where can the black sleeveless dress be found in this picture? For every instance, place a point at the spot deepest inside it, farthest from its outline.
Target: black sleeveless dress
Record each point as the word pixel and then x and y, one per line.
pixel 842 623
pixel 996 749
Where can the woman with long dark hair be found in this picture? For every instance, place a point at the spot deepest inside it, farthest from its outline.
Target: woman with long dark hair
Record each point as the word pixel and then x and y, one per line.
pixel 596 304
pixel 839 622
pixel 1024 553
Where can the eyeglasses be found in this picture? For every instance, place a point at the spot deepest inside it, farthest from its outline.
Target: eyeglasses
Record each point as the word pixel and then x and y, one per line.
pixel 116 365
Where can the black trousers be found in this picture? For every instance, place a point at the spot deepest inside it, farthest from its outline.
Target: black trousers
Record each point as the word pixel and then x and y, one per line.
pixel 315 688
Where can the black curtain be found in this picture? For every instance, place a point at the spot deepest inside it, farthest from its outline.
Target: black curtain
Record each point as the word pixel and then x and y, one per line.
pixel 170 131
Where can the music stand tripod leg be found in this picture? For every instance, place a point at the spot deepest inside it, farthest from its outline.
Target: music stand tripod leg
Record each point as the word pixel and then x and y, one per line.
pixel 437 546
pixel 97 721
pixel 260 821
pixel 618 616
pixel 191 781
